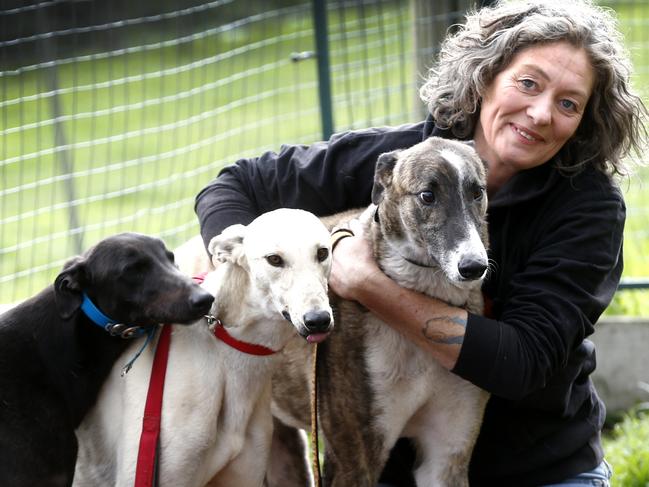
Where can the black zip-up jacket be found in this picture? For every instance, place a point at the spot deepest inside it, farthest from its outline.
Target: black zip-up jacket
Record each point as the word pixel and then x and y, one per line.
pixel 556 247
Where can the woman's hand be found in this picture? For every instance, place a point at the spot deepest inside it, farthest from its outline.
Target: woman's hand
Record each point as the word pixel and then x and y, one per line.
pixel 433 325
pixel 353 265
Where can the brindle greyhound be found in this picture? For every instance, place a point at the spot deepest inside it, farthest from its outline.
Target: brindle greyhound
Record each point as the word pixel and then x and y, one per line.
pixel 427 228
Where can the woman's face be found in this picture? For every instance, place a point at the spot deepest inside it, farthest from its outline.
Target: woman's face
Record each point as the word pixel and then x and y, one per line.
pixel 533 107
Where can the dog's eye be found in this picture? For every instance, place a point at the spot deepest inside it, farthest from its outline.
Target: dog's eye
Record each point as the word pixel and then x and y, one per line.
pixel 427 197
pixel 478 194
pixel 136 268
pixel 275 260
pixel 322 254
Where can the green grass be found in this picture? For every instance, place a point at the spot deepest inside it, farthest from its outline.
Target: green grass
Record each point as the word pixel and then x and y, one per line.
pixel 633 15
pixel 142 148
pixel 627 452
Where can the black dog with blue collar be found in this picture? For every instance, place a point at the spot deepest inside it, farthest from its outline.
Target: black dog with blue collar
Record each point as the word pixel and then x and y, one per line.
pixel 57 348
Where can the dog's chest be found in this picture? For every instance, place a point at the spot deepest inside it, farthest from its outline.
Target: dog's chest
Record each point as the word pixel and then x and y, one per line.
pixel 406 382
pixel 395 362
pixel 220 400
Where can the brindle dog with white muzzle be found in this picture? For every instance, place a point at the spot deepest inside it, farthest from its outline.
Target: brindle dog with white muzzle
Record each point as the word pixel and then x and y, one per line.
pixel 427 227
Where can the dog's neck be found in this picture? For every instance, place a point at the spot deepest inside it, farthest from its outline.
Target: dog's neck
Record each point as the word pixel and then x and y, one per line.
pixel 244 314
pixel 80 354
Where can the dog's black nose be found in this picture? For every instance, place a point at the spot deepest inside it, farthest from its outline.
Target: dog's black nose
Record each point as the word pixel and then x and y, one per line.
pixel 317 321
pixel 201 300
pixel 471 268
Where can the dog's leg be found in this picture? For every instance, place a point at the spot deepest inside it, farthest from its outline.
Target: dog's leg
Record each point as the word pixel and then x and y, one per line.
pixel 359 462
pixel 288 465
pixel 446 443
pixel 355 450
pixel 247 469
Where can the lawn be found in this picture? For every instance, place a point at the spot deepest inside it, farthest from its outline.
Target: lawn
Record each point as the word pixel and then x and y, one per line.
pixel 626 449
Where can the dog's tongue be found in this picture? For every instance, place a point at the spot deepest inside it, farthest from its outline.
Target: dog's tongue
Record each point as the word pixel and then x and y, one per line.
pixel 316 337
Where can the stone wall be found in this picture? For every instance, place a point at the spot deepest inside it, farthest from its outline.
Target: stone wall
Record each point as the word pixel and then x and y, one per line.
pixel 622 361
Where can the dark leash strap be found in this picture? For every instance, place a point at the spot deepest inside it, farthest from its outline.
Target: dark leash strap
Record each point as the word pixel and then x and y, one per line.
pixel 315 447
pixel 336 236
pixel 147 458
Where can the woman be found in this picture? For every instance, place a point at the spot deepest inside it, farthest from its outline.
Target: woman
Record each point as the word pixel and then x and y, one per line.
pixel 543 90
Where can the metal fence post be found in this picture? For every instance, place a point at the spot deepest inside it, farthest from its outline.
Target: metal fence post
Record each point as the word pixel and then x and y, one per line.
pixel 63 155
pixel 324 74
pixel 431 21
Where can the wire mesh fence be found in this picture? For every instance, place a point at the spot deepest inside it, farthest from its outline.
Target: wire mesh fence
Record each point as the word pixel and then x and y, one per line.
pixel 114 114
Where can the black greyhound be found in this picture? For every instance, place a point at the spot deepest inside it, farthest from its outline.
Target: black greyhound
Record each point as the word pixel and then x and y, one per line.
pixel 57 348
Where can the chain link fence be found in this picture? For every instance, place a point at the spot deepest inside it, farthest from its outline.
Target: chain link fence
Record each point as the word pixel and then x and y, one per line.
pixel 114 114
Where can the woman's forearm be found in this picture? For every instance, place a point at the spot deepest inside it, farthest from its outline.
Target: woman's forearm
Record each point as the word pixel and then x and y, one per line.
pixel 431 324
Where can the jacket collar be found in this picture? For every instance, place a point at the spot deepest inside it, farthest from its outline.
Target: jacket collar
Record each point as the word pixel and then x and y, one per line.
pixel 526 185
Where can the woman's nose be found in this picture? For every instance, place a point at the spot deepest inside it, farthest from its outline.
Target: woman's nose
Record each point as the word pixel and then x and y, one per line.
pixel 540 110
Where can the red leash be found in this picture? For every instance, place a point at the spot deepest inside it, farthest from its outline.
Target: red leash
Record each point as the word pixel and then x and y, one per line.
pixel 145 472
pixel 147 456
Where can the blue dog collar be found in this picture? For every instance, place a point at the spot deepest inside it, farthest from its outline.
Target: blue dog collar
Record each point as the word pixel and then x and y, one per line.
pixel 117 329
pixel 108 324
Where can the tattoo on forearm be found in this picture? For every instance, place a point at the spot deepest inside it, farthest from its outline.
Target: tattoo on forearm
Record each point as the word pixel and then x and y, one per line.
pixel 431 330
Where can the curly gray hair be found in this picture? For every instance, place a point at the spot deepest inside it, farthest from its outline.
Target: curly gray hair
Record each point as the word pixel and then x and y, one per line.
pixel 613 123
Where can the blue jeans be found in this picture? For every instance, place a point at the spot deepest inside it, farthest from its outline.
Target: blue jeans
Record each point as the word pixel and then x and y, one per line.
pixel 598 477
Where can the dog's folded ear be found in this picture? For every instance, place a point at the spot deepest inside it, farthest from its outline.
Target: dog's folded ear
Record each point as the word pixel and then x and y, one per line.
pixel 383 174
pixel 67 287
pixel 228 246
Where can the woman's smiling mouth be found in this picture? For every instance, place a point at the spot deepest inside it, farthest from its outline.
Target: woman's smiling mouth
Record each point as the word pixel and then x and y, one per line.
pixel 529 136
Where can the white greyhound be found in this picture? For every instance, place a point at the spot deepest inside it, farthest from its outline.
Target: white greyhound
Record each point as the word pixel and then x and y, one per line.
pixel 216 426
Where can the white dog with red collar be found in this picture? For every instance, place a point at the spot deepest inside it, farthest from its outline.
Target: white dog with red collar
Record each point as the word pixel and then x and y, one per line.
pixel 270 285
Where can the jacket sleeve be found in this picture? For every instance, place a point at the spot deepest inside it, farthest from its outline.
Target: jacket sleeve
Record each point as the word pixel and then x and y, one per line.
pixel 552 302
pixel 324 178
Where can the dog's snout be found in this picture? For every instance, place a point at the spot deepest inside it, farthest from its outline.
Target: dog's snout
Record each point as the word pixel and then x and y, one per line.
pixel 317 321
pixel 472 268
pixel 201 300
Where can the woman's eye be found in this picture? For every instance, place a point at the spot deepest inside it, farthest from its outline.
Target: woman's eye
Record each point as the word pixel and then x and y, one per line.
pixel 275 260
pixel 527 84
pixel 322 254
pixel 427 197
pixel 568 105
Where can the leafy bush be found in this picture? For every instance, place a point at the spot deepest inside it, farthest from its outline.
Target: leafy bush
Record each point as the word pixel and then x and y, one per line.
pixel 627 450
